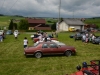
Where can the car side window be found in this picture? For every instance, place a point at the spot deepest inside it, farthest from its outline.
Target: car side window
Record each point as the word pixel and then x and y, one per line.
pixel 53 46
pixel 45 46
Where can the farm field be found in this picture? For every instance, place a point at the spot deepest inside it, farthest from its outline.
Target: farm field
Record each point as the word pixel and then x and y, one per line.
pixel 13 61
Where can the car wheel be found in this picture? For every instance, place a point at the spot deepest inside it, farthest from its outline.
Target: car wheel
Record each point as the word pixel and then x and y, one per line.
pixel 68 53
pixel 38 54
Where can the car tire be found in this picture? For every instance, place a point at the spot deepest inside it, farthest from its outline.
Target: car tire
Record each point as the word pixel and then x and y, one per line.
pixel 38 54
pixel 68 53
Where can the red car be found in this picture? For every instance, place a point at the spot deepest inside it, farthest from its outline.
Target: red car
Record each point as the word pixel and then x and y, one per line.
pixel 49 48
pixel 37 39
pixel 92 69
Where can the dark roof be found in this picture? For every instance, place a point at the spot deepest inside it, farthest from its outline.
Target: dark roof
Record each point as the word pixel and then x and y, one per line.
pixel 73 22
pixel 32 20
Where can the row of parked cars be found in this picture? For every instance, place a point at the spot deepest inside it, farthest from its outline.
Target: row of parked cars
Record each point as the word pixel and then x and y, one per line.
pixel 81 33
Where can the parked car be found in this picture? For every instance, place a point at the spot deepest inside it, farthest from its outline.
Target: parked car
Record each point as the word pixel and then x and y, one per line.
pixel 92 69
pixel 78 35
pixel 49 48
pixel 2 32
pixel 9 32
pixel 96 40
pixel 16 31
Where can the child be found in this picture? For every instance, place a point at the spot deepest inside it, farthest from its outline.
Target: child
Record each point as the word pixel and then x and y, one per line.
pixel 25 42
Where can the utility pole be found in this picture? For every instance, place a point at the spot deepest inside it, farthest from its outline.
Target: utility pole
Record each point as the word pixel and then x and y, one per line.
pixel 57 24
pixel 59 10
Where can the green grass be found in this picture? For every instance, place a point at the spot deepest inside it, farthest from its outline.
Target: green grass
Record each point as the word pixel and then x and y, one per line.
pixel 13 61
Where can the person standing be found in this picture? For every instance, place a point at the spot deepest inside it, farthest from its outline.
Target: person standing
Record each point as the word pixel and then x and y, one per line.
pixel 25 42
pixel 16 35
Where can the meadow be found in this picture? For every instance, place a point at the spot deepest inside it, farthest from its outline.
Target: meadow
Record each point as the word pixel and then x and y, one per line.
pixel 13 61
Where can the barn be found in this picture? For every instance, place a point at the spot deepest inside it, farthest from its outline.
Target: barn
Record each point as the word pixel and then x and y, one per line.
pixel 67 23
pixel 37 24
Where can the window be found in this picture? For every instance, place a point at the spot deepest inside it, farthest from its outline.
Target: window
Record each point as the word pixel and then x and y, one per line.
pixel 45 46
pixel 53 46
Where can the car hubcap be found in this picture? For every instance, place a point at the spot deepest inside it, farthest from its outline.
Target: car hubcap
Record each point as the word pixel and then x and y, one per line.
pixel 68 53
pixel 38 55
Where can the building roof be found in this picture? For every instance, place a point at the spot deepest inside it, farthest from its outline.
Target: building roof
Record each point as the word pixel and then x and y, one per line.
pixel 32 20
pixel 73 21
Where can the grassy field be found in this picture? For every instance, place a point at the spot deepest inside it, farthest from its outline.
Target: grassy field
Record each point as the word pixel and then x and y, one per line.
pixel 5 20
pixel 13 61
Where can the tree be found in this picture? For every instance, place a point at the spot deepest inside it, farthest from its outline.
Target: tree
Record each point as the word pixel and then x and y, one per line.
pixel 23 24
pixel 53 27
pixel 11 25
pixel 14 26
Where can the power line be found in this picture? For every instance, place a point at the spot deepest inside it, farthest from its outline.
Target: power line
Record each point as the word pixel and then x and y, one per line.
pixel 12 6
pixel 2 5
pixel 59 9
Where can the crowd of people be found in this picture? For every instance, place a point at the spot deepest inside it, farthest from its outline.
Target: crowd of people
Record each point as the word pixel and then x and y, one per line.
pixel 42 36
pixel 88 37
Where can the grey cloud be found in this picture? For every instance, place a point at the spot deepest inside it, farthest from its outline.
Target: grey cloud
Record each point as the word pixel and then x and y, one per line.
pixel 49 8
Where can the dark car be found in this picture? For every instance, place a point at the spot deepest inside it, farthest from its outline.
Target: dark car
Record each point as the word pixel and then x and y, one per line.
pixel 96 40
pixel 9 32
pixel 78 35
pixel 88 69
pixel 49 48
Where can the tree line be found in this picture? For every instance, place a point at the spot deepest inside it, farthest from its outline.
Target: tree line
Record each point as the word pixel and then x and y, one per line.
pixel 24 25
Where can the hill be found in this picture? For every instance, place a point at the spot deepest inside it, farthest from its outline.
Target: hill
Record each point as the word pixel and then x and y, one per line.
pixel 95 21
pixel 4 20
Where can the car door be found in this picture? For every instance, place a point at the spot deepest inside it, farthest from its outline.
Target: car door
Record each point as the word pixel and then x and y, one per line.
pixel 54 48
pixel 45 49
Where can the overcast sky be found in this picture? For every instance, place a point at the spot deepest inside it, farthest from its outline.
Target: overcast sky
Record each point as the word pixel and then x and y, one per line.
pixel 50 8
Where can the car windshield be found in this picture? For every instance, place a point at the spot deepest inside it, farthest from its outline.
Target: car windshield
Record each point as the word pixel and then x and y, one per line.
pixel 60 43
pixel 98 37
pixel 78 34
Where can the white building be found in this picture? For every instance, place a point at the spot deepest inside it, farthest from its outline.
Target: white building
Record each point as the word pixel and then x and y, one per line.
pixel 66 23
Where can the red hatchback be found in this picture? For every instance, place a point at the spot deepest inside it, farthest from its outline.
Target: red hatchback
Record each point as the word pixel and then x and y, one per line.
pixel 49 48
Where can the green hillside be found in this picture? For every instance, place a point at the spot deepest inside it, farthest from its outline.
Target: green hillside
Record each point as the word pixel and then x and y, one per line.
pixel 4 20
pixel 95 21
